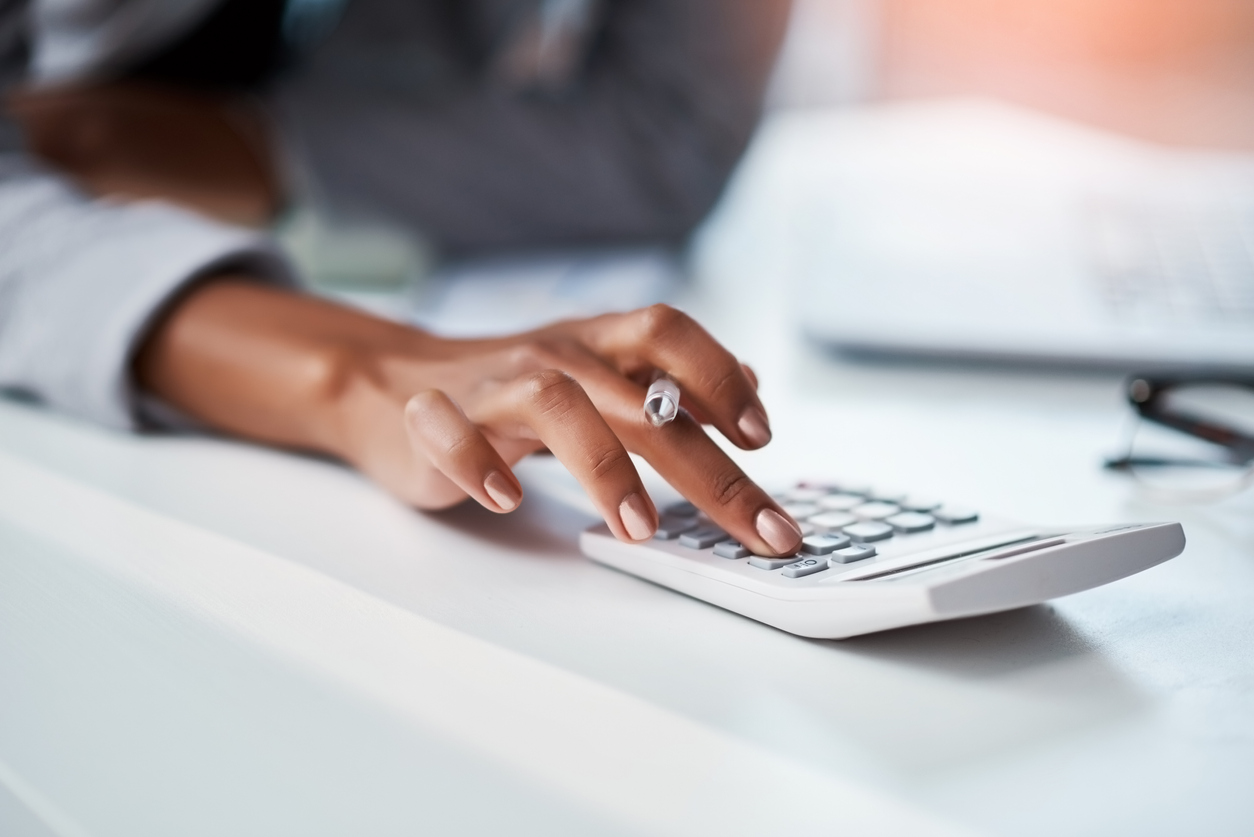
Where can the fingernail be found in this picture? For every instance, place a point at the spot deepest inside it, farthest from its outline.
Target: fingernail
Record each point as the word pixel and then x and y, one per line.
pixel 780 533
pixel 636 518
pixel 754 427
pixel 502 492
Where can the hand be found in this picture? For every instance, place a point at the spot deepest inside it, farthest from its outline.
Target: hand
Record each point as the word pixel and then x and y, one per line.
pixel 435 421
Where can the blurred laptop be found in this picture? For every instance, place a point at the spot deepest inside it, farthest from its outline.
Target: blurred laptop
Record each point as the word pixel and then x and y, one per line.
pixel 978 231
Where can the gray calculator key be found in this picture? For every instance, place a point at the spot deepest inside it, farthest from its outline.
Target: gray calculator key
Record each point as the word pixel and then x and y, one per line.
pixel 908 522
pixel 731 549
pixel 702 538
pixel 874 511
pixel 681 509
pixel 850 554
pixel 954 514
pixel 869 530
pixel 764 563
pixel 808 566
pixel 832 520
pixel 823 544
pixel 839 502
pixel 669 528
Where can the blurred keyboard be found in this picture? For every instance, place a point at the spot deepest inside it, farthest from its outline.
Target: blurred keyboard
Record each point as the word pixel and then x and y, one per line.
pixel 1176 263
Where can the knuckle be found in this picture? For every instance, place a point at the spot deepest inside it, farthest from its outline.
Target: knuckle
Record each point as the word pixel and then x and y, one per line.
pixel 532 356
pixel 661 319
pixel 609 461
pixel 730 486
pixel 724 382
pixel 425 400
pixel 551 390
pixel 462 445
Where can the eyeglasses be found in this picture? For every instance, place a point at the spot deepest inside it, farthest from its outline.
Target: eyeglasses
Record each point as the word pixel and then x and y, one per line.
pixel 1194 438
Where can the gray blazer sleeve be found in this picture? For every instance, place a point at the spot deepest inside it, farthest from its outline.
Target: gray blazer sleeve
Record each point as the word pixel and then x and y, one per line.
pixel 81 281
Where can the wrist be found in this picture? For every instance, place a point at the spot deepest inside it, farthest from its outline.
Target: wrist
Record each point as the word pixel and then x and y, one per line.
pixel 275 366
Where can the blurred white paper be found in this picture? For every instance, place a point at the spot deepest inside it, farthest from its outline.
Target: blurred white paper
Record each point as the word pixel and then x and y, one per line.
pixel 504 295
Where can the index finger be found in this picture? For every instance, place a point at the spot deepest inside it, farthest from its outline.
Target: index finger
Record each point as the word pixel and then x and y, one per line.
pixel 708 374
pixel 689 460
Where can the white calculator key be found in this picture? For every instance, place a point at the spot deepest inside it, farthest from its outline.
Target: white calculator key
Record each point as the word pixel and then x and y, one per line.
pixel 807 528
pixel 805 567
pixel 799 511
pixel 857 552
pixel 869 530
pixel 874 511
pixel 839 502
pixel 731 549
pixel 832 520
pixel 953 515
pixel 920 503
pixel 805 494
pixel 823 544
pixel 764 563
pixel 908 522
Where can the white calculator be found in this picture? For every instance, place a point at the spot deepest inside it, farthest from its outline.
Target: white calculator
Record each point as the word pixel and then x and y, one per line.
pixel 872 560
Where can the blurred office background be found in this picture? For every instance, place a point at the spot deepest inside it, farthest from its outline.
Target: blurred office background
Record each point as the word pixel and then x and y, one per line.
pixel 1175 74
pixel 1174 71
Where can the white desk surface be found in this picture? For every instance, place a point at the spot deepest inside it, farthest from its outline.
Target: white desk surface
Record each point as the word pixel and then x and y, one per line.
pixel 205 637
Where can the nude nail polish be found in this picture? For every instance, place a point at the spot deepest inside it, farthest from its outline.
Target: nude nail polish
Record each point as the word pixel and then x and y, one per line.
pixel 501 491
pixel 634 513
pixel 780 534
pixel 753 425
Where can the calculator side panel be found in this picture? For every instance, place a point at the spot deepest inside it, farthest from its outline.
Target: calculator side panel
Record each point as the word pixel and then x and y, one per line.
pixel 990 585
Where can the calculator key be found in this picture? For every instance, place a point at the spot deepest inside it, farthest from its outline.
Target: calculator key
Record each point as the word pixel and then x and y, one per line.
pixel 799 511
pixel 839 502
pixel 860 489
pixel 920 503
pixel 954 515
pixel 886 495
pixel 832 520
pixel 807 567
pixel 731 549
pixel 869 530
pixel 805 494
pixel 702 538
pixel 669 528
pixel 874 511
pixel 907 522
pixel 823 544
pixel 850 554
pixel 681 509
pixel 764 563
pixel 807 529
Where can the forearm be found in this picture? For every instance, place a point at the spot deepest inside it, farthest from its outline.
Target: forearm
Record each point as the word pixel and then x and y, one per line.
pixel 269 365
